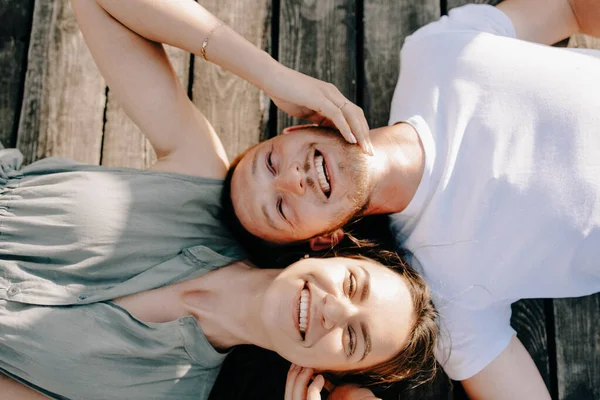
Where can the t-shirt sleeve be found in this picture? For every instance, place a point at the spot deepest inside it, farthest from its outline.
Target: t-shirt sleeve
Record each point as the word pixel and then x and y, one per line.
pixel 469 18
pixel 471 339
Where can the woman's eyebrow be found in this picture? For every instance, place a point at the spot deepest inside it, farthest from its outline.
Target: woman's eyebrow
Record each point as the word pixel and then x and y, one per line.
pixel 367 340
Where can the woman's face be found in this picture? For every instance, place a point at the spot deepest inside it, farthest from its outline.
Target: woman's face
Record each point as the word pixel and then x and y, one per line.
pixel 337 314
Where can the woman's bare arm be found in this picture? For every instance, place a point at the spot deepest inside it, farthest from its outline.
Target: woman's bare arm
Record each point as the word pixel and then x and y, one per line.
pixel 124 38
pixel 13 390
pixel 140 75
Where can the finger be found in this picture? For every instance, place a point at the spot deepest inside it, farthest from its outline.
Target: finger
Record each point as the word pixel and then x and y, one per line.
pixel 359 126
pixel 302 383
pixel 291 381
pixel 314 390
pixel 335 114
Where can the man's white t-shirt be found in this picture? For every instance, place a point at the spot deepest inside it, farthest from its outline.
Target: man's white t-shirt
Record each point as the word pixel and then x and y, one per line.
pixel 509 204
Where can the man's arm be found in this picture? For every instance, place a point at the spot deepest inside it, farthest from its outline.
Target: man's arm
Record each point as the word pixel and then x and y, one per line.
pixel 512 375
pixel 13 390
pixel 550 21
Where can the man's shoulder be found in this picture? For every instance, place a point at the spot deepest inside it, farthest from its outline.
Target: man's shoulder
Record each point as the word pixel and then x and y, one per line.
pixel 466 21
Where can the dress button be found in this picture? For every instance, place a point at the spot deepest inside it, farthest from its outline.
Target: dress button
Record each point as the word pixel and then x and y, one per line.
pixel 13 291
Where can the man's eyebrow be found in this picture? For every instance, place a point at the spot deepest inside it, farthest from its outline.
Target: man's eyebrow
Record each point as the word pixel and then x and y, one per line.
pixel 268 217
pixel 367 339
pixel 366 287
pixel 255 162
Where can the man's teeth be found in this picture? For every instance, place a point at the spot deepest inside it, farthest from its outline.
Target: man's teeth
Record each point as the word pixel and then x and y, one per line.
pixel 321 174
pixel 303 312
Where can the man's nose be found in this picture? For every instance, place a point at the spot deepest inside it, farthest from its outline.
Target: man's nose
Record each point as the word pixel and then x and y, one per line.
pixel 336 311
pixel 292 180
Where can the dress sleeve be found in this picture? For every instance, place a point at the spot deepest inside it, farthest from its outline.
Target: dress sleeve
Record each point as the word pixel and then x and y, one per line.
pixel 472 339
pixel 482 18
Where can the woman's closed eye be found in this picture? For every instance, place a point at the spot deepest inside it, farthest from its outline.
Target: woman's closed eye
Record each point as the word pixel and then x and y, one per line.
pixel 350 341
pixel 350 289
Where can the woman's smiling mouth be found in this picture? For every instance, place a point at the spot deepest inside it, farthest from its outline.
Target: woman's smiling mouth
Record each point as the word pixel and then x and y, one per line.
pixel 303 311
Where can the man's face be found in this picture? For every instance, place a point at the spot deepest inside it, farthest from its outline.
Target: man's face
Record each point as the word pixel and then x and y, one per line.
pixel 299 185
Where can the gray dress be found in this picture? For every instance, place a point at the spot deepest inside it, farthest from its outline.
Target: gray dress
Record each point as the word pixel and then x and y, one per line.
pixel 73 237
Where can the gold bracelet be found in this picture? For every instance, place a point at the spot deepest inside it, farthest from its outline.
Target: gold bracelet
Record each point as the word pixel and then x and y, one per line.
pixel 205 43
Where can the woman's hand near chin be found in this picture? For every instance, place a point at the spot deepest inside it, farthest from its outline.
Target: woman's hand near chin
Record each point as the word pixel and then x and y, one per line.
pixel 304 97
pixel 299 386
pixel 351 392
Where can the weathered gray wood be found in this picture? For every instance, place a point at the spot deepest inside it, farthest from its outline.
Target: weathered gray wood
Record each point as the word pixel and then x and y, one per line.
pixel 529 316
pixel 584 42
pixel 456 3
pixel 529 320
pixel 578 347
pixel 124 144
pixel 318 38
pixel 576 325
pixel 386 24
pixel 237 110
pixel 63 104
pixel 15 26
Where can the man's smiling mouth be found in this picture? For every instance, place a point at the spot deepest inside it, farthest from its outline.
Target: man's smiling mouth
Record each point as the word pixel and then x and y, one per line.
pixel 322 174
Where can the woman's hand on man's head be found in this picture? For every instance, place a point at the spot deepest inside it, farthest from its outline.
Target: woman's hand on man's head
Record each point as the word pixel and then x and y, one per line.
pixel 304 97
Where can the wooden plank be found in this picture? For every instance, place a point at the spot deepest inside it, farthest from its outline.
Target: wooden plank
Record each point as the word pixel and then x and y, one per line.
pixel 584 42
pixel 457 3
pixel 528 316
pixel 124 144
pixel 237 110
pixel 578 347
pixel 64 95
pixel 15 27
pixel 318 38
pixel 386 24
pixel 529 319
pixel 576 325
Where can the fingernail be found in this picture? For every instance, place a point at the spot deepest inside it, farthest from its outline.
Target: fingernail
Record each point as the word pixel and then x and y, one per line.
pixel 353 139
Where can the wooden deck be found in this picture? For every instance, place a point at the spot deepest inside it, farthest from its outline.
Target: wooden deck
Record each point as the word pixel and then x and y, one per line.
pixel 53 102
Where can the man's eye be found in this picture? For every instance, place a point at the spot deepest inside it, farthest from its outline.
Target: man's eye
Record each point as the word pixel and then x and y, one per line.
pixel 270 163
pixel 280 207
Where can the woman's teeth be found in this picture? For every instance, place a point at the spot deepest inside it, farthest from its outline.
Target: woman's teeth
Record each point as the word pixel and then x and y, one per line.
pixel 322 175
pixel 303 312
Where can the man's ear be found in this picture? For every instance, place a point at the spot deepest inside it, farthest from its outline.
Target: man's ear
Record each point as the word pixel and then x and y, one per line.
pixel 296 127
pixel 326 241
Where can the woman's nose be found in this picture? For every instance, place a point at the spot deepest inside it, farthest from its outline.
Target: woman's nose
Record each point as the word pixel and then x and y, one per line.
pixel 292 180
pixel 335 311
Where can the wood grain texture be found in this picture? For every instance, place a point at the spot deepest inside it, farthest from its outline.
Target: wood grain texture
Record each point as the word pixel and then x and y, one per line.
pixel 576 325
pixel 529 320
pixel 386 24
pixel 318 38
pixel 64 96
pixel 124 144
pixel 237 110
pixel 15 26
pixel 584 42
pixel 578 347
pixel 457 3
